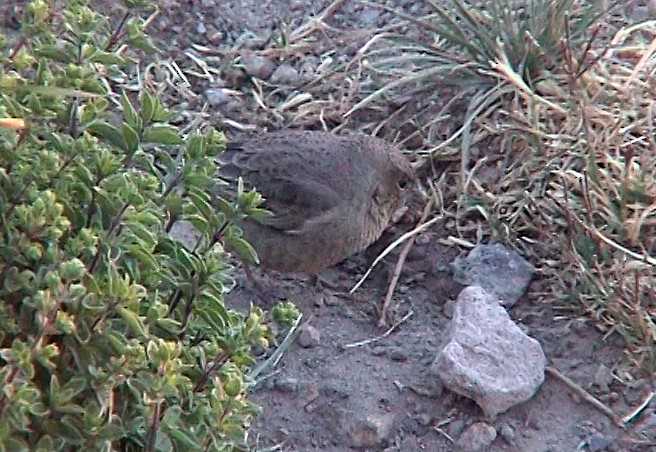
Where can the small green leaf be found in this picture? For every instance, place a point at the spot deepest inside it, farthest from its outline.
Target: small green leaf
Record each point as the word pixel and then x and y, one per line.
pixel 133 320
pixel 243 248
pixel 15 445
pixel 149 106
pixel 200 200
pixel 100 56
pixel 224 206
pixel 131 139
pixel 55 54
pixel 195 146
pixel 129 113
pixel 163 443
pixel 162 133
pixel 107 131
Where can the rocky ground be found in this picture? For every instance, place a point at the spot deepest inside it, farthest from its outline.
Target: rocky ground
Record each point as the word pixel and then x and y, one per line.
pixel 329 393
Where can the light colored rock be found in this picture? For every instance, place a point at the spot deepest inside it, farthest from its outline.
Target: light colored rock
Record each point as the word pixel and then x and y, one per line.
pixel 257 66
pixel 309 337
pixel 218 96
pixel 370 431
pixel 487 357
pixel 477 437
pixel 284 75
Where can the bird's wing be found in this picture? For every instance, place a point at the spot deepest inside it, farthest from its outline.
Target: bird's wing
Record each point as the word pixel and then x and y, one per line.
pixel 297 202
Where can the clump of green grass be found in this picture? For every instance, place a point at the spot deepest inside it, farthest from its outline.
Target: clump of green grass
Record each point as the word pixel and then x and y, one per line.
pixel 460 45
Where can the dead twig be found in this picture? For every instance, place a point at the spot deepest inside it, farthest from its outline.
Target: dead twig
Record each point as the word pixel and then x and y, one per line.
pixel 399 267
pixel 382 336
pixel 585 395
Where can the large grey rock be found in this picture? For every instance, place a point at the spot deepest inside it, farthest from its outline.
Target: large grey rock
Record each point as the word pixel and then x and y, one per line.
pixel 499 270
pixel 487 357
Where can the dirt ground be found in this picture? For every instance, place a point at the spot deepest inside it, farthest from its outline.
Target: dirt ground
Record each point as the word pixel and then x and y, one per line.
pixel 324 396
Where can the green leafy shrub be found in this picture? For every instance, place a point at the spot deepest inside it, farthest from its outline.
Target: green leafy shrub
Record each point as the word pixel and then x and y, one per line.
pixel 113 334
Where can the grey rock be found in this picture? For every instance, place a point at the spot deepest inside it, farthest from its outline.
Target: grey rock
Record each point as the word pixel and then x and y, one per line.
pixel 286 384
pixel 309 337
pixel 477 437
pixel 598 443
pixel 486 356
pixel 369 16
pixel 508 434
pixel 603 377
pixel 456 427
pixel 217 96
pixel 398 354
pixel 499 270
pixel 284 75
pixel 647 426
pixel 369 431
pixel 185 232
pixel 257 66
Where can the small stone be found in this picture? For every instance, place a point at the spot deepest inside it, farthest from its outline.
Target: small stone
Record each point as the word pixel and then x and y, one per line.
pixel 507 432
pixel 477 437
pixel 200 28
pixel 309 337
pixel 370 431
pixel 215 38
pixel 333 391
pixel 397 354
pixel 456 427
pixel 598 443
pixel 369 16
pixel 217 96
pixel 286 384
pixel 331 300
pixel 424 419
pixel 257 66
pixel 501 271
pixel 284 75
pixel 603 377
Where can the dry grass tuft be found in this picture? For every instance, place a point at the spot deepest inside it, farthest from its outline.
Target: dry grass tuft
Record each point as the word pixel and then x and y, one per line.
pixel 557 147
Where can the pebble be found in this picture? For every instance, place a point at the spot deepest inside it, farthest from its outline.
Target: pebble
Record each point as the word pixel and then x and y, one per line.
pixel 284 75
pixel 508 434
pixel 257 66
pixel 456 427
pixel 217 96
pixel 397 354
pixel 286 384
pixel 477 437
pixel 310 337
pixel 598 443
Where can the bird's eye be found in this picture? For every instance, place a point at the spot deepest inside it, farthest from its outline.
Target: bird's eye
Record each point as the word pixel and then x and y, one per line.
pixel 402 184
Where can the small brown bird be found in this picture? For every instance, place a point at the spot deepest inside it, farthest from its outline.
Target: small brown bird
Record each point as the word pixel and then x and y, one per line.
pixel 331 196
